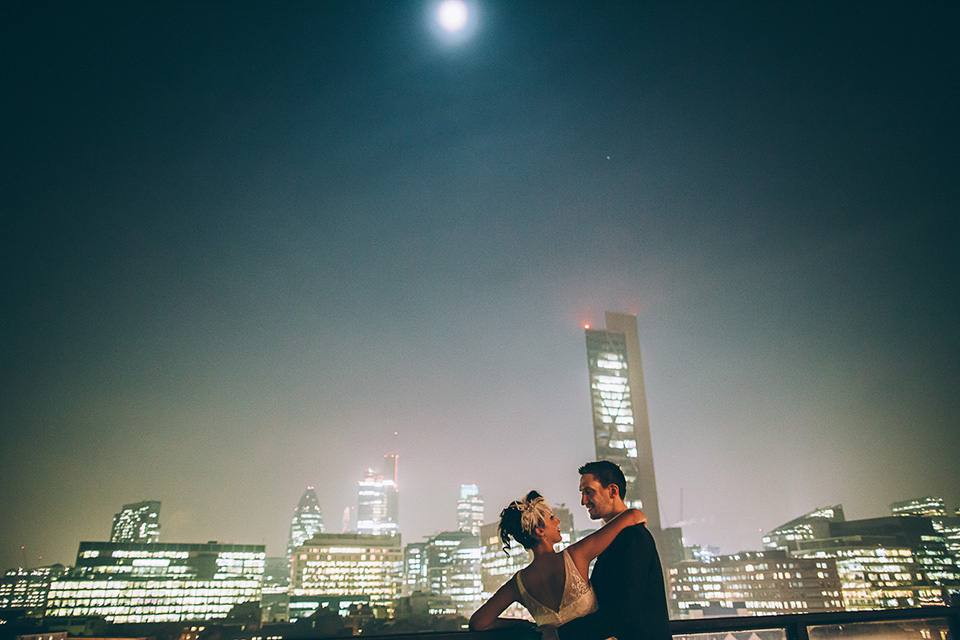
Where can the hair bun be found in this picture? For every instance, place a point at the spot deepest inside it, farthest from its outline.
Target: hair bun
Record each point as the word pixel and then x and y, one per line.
pixel 520 519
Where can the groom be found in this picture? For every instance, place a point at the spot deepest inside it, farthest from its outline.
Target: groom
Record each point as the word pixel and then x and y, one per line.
pixel 627 577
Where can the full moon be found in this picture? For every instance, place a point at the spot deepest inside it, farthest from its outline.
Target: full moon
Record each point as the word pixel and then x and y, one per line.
pixel 452 15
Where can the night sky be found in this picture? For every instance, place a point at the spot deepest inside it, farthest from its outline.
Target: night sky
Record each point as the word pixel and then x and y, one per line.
pixel 248 248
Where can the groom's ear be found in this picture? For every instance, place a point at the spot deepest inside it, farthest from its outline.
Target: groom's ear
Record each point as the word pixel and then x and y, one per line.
pixel 614 490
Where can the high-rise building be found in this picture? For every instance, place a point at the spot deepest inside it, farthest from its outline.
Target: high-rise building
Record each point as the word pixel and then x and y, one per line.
pixel 127 582
pixel 621 428
pixel 345 569
pixel 453 569
pixel 307 520
pixel 470 509
pixel 414 568
pixel 377 500
pixel 139 522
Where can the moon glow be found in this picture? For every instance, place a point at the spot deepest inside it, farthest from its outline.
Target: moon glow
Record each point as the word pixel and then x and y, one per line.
pixel 452 15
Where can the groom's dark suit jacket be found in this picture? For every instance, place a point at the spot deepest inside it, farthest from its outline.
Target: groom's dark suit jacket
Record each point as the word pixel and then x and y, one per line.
pixel 628 582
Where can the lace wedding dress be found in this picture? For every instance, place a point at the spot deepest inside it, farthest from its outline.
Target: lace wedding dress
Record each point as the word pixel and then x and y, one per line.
pixel 578 599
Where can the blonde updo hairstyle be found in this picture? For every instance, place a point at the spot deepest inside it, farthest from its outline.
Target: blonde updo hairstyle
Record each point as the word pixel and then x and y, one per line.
pixel 521 518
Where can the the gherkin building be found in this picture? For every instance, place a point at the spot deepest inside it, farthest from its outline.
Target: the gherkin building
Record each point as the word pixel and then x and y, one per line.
pixel 307 521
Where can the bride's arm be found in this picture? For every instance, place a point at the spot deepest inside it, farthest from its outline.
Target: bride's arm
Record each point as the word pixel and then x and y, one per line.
pixel 488 615
pixel 588 548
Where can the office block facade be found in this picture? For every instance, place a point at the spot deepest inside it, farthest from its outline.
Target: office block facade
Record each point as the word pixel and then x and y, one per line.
pixel 453 569
pixel 414 568
pixel 892 562
pixel 944 524
pixel 355 568
pixel 929 506
pixel 26 590
pixel 812 525
pixel 754 583
pixel 158 582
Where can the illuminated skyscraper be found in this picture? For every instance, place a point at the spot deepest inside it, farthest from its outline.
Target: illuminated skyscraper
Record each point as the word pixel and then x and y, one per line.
pixel 470 509
pixel 621 428
pixel 453 568
pixel 377 500
pixel 307 520
pixel 139 522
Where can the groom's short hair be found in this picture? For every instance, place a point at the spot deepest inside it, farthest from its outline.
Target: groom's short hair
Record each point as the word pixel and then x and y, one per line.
pixel 606 473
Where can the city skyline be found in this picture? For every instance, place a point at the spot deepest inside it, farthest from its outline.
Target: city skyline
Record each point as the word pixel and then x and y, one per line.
pixel 905 507
pixel 252 250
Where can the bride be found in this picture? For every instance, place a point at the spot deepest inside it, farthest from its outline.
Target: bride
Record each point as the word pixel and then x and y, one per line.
pixel 554 587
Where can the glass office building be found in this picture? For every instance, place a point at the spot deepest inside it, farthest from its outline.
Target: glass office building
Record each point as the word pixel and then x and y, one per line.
pixel 26 589
pixel 349 568
pixel 378 499
pixel 755 583
pixel 307 520
pixel 160 582
pixel 453 569
pixel 414 568
pixel 470 509
pixel 883 563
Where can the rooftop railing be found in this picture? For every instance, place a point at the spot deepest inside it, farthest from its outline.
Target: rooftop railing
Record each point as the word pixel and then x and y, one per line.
pixel 924 623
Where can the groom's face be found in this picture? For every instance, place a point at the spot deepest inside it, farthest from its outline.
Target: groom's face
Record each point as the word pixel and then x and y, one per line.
pixel 595 497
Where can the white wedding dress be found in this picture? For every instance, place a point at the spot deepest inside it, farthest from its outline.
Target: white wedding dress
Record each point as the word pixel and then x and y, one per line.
pixel 578 598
